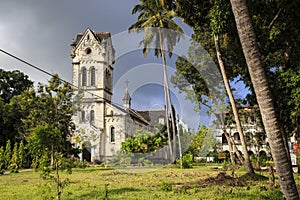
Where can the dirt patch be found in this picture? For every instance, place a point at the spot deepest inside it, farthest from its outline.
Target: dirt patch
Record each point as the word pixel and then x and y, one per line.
pixel 221 179
pixel 253 177
pixel 119 173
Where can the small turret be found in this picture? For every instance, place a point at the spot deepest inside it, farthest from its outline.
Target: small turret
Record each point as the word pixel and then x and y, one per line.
pixel 126 99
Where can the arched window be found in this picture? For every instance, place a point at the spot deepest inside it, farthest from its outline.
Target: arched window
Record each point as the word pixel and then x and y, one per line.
pixel 93 76
pixel 82 116
pixel 112 134
pixel 236 137
pixel 83 76
pixel 224 139
pixel 92 116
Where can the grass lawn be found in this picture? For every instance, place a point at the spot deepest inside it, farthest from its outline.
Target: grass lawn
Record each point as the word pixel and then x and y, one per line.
pixel 200 182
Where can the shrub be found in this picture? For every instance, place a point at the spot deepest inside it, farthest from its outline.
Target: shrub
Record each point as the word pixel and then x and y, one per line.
pixel 2 160
pixel 167 187
pixel 187 161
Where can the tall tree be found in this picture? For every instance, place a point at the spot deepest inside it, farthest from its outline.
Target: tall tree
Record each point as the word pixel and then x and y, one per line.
pixel 51 106
pixel 217 23
pixel 264 98
pixel 162 30
pixel 13 83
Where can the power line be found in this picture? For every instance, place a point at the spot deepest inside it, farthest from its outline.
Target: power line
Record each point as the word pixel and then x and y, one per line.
pixel 44 71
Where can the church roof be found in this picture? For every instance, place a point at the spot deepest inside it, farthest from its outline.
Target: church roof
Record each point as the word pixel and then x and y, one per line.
pixel 98 35
pixel 133 113
pixel 152 116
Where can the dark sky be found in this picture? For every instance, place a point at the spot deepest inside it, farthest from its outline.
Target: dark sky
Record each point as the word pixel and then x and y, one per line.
pixel 40 32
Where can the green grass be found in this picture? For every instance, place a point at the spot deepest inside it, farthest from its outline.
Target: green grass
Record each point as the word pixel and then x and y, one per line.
pixel 200 182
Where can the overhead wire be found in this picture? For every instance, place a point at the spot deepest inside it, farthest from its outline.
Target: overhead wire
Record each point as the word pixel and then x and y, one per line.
pixel 44 71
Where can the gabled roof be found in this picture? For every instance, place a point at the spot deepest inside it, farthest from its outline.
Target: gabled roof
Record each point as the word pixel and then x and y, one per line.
pixel 133 113
pixel 152 116
pixel 100 36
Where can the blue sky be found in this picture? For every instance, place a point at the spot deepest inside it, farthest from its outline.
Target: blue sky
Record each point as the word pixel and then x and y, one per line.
pixel 40 32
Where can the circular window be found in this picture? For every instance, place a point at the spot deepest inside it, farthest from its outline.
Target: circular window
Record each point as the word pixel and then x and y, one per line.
pixel 88 51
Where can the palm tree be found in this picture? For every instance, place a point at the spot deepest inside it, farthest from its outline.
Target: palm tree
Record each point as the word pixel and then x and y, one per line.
pixel 246 161
pixel 161 30
pixel 264 98
pixel 217 18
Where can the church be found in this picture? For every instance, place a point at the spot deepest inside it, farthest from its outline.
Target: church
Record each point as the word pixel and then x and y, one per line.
pixel 101 125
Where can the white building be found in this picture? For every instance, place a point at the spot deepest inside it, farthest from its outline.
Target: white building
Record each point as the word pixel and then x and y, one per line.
pixel 102 126
pixel 256 140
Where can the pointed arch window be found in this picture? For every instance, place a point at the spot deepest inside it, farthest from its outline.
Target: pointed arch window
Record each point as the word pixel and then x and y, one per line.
pixel 83 76
pixel 236 137
pixel 92 116
pixel 112 134
pixel 93 76
pixel 82 116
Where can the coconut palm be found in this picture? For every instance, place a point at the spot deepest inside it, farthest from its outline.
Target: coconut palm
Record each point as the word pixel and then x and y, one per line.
pixel 160 30
pixel 246 161
pixel 264 99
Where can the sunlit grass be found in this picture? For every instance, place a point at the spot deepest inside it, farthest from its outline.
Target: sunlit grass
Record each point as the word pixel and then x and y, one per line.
pixel 200 182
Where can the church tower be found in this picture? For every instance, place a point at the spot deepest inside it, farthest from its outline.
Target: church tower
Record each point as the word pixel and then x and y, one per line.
pixel 92 59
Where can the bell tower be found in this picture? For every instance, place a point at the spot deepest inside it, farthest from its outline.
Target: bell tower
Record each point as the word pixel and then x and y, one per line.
pixel 92 56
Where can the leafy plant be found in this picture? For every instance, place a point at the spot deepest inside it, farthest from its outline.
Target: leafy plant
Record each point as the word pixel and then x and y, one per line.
pixel 15 159
pixel 60 163
pixel 2 160
pixel 167 187
pixel 7 155
pixel 187 161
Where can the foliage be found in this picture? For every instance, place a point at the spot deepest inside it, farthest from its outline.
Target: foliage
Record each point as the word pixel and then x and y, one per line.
pixel 60 163
pixel 202 143
pixel 276 26
pixel 121 159
pixel 21 154
pixel 13 83
pixel 167 187
pixel 43 140
pixel 153 14
pixel 162 31
pixel 288 104
pixel 2 160
pixel 51 109
pixel 187 161
pixel 143 142
pixel 7 155
pixel 15 159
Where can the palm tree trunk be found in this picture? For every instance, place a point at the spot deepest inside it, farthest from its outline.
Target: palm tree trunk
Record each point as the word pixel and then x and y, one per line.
pixel 246 162
pixel 231 151
pixel 167 92
pixel 167 123
pixel 264 98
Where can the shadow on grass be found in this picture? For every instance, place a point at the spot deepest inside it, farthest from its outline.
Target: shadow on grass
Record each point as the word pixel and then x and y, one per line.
pixel 91 169
pixel 111 192
pixel 123 190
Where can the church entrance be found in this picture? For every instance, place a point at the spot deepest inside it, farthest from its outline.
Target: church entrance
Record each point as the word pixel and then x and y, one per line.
pixel 86 152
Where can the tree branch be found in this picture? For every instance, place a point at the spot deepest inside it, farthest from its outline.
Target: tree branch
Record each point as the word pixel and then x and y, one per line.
pixel 274 19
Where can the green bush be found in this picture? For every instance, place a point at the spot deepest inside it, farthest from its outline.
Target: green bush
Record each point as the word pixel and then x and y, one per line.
pixel 79 164
pixel 187 161
pixel 167 187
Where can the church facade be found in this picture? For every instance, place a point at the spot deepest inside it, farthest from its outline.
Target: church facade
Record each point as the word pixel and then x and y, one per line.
pixel 101 125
